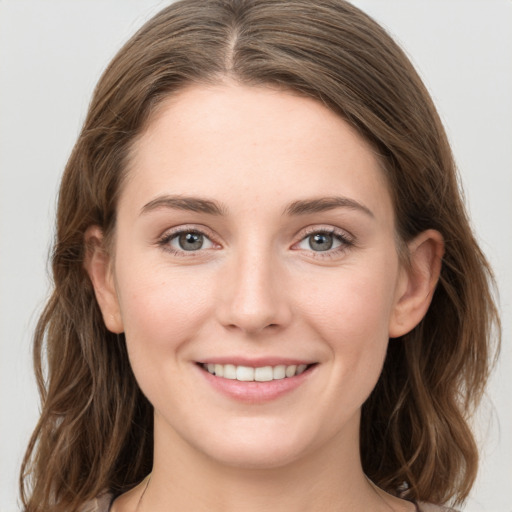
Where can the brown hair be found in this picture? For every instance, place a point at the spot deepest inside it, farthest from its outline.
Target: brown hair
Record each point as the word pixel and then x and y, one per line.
pixel 95 430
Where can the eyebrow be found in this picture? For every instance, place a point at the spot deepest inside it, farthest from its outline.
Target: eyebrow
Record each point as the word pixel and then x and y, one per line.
pixel 322 204
pixel 300 207
pixel 194 204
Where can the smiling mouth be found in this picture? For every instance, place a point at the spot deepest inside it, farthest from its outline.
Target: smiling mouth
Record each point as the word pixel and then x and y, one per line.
pixel 255 374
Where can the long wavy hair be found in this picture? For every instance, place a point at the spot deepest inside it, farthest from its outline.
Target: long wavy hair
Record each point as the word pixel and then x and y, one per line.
pixel 95 432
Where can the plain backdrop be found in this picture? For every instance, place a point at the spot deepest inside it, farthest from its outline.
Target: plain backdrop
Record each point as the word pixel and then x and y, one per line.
pixel 52 53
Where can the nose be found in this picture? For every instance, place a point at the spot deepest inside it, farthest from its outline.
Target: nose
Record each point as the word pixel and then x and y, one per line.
pixel 253 295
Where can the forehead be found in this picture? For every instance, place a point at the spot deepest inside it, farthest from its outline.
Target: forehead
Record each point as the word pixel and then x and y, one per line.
pixel 252 144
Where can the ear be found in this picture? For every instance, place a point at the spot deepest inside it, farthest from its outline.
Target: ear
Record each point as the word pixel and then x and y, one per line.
pixel 417 282
pixel 99 267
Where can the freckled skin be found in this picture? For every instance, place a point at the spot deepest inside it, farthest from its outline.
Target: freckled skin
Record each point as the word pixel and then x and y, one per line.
pixel 256 288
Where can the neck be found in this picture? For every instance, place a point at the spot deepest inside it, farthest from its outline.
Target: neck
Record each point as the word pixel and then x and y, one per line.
pixel 330 479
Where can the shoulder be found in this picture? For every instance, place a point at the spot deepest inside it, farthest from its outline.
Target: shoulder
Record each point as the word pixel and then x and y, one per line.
pixel 429 507
pixel 100 504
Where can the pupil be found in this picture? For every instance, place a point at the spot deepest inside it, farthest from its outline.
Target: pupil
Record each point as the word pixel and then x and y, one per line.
pixel 321 242
pixel 191 241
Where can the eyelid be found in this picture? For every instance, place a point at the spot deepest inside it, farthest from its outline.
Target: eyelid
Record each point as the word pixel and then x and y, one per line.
pixel 347 240
pixel 169 234
pixel 322 228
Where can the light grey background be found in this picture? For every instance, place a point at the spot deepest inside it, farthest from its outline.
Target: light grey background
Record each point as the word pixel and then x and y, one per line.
pixel 53 51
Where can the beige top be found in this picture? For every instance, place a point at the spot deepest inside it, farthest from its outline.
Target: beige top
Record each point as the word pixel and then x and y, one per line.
pixel 102 504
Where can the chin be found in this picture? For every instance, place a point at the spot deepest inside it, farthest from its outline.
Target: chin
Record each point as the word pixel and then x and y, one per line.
pixel 253 456
pixel 257 447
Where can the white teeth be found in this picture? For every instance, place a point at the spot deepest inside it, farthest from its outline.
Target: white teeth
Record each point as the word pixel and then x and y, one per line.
pixel 263 374
pixel 260 374
pixel 301 368
pixel 279 372
pixel 244 373
pixel 229 371
pixel 290 370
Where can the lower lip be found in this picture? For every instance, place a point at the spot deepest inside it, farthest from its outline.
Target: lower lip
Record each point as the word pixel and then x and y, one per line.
pixel 256 392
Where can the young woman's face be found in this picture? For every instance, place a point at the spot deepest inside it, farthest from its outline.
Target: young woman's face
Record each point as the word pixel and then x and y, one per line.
pixel 255 238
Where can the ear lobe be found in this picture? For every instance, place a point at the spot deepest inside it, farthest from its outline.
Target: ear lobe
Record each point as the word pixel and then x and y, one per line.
pixel 98 265
pixel 417 282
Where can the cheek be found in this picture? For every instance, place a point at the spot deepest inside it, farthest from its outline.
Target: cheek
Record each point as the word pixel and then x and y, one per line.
pixel 161 308
pixel 352 304
pixel 351 313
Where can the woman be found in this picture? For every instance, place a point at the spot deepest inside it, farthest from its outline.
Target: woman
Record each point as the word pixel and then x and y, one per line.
pixel 260 277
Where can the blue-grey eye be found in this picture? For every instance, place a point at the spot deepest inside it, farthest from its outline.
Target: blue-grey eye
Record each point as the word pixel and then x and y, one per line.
pixel 190 241
pixel 320 241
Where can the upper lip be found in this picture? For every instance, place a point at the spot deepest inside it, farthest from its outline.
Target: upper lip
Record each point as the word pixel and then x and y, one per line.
pixel 256 362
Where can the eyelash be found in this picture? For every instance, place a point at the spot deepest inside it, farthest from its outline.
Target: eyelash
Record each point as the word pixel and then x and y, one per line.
pixel 164 241
pixel 346 241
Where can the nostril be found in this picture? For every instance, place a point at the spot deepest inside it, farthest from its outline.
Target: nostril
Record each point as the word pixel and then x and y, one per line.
pixel 252 328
